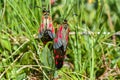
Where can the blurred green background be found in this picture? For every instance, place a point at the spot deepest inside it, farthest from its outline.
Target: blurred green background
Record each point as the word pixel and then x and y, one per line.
pixel 89 55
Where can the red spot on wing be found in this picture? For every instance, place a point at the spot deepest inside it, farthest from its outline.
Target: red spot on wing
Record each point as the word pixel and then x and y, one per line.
pixel 60 32
pixel 57 56
pixel 60 35
pixel 42 25
pixel 54 51
pixel 50 25
pixel 56 62
pixel 60 28
pixel 56 40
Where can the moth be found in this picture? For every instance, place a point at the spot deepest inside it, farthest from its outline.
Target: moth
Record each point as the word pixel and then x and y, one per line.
pixel 60 44
pixel 46 30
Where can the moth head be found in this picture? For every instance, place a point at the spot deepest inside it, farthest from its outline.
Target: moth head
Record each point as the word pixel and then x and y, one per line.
pixel 46 13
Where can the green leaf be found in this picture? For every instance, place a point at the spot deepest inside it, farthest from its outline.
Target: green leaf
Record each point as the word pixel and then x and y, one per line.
pixel 21 76
pixel 26 58
pixel 5 43
pixel 46 57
